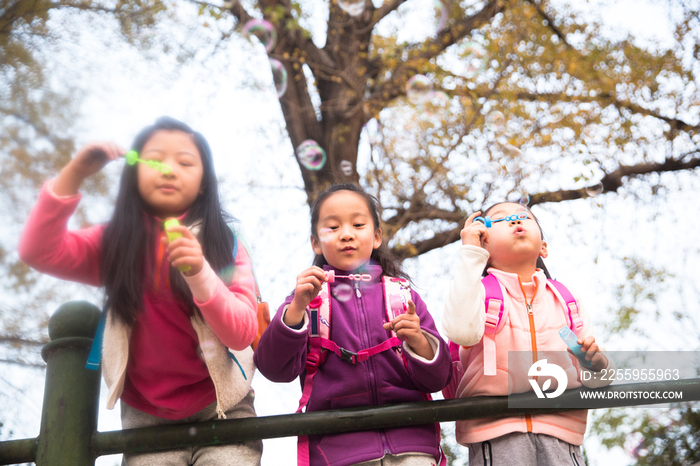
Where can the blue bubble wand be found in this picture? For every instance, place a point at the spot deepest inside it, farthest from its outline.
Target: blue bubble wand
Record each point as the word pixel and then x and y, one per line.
pixel 132 157
pixel 510 218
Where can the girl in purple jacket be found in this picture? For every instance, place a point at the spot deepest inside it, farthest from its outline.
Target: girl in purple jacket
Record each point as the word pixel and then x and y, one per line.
pixel 346 238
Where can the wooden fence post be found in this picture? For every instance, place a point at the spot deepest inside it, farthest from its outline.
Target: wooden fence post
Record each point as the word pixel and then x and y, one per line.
pixel 71 394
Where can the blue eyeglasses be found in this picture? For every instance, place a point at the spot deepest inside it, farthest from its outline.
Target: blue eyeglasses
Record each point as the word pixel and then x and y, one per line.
pixel 510 218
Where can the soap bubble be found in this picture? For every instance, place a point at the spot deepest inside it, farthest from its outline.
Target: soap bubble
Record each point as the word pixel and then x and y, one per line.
pixel 524 198
pixel 311 155
pixel 589 132
pixel 418 88
pixel 490 172
pixel 473 59
pixel 557 113
pixel 529 171
pixel 352 7
pixel 342 292
pixel 594 190
pixel 440 15
pixel 263 31
pixel 279 76
pixel 528 127
pixel 346 167
pixel 324 235
pixel 495 121
pixel 437 102
pixel 510 150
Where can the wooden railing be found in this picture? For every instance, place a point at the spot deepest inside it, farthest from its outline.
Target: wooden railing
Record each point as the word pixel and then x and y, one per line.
pixel 68 434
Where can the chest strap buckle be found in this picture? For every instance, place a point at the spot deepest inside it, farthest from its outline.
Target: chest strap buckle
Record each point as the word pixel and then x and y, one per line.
pixel 348 356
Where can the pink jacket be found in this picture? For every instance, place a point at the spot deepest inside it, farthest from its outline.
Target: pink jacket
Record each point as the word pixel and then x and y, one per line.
pixel 463 323
pixel 229 312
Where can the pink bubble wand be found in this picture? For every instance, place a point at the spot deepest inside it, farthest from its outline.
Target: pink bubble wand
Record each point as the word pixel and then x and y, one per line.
pixel 396 304
pixel 360 277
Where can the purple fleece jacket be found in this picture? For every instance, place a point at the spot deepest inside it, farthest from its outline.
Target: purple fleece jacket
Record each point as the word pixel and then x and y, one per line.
pixel 382 379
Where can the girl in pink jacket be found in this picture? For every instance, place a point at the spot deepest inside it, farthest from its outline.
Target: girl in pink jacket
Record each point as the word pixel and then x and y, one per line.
pixel 171 320
pixel 508 243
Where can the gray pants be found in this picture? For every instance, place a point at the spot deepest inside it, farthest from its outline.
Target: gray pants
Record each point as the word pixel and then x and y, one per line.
pixel 525 449
pixel 235 454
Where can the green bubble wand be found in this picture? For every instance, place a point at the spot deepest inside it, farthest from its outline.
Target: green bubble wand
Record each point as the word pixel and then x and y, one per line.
pixel 132 157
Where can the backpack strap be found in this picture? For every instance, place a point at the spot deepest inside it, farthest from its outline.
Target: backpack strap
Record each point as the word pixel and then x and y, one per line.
pixel 450 391
pixel 319 312
pixel 454 351
pixel 236 239
pixel 569 303
pixel 95 355
pixel 263 309
pixel 493 303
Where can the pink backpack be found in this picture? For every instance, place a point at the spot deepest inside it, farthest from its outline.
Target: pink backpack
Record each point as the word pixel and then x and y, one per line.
pixel 495 320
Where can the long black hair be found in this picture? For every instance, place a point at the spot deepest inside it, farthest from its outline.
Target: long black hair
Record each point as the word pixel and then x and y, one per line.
pixel 390 264
pixel 540 261
pixel 129 237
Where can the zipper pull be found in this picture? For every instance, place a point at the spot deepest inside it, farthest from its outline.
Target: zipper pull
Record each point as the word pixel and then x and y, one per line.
pixel 357 290
pixel 529 308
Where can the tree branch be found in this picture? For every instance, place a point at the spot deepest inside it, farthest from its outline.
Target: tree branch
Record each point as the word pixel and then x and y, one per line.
pixel 427 50
pixel 611 183
pixel 23 364
pixel 674 122
pixel 381 13
pixel 437 241
pixel 22 341
pixel 550 22
pixel 454 33
pixel 241 14
pixel 612 100
pixel 405 216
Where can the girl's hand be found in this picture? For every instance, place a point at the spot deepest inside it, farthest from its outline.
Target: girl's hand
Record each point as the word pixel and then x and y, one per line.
pixel 596 359
pixel 89 159
pixel 407 328
pixel 308 287
pixel 185 250
pixel 474 233
pixel 93 156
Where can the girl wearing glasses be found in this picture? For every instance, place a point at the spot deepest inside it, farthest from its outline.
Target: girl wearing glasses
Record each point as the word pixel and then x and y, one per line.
pixel 506 242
